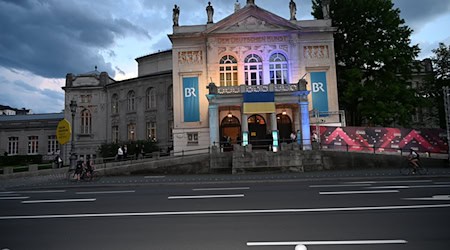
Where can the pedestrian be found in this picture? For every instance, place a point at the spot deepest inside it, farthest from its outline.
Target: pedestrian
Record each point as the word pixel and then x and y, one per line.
pixel 89 167
pixel 125 152
pixel 119 153
pixel 293 137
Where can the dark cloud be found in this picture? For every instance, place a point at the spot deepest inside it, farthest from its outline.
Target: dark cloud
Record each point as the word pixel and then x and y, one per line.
pixel 50 38
pixel 418 12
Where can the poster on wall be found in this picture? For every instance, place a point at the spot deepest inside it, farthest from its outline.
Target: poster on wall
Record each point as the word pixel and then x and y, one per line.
pixel 191 99
pixel 319 91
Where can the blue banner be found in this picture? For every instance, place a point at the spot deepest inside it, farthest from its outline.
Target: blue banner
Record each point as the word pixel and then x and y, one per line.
pixel 319 91
pixel 191 99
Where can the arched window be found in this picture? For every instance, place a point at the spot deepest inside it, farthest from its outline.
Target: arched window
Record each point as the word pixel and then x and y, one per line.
pixel 86 122
pixel 115 104
pixel 228 71
pixel 150 98
pixel 278 69
pixel 170 97
pixel 253 70
pixel 131 101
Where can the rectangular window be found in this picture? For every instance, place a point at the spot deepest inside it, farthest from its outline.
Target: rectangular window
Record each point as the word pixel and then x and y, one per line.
pixel 132 132
pixel 115 134
pixel 53 144
pixel 192 138
pixel 33 144
pixel 13 146
pixel 151 130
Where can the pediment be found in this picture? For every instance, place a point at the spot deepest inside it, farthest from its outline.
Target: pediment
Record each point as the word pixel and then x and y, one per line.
pixel 251 19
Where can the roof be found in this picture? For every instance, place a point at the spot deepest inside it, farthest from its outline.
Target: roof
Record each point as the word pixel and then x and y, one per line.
pixel 48 116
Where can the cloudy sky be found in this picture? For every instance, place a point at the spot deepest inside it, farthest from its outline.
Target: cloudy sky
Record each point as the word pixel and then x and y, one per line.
pixel 43 40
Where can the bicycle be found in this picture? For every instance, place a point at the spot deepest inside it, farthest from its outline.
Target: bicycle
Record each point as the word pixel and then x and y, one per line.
pixel 408 168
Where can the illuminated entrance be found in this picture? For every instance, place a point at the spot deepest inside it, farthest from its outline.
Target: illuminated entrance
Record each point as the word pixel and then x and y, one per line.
pixel 230 127
pixel 284 125
pixel 257 128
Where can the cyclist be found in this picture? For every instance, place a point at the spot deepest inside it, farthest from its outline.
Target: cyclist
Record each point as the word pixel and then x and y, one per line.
pixel 89 167
pixel 413 159
pixel 79 168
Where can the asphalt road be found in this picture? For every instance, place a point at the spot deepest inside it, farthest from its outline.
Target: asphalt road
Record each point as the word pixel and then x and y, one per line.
pixel 358 213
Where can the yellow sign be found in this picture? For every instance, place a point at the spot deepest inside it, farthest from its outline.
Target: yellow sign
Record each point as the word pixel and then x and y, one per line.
pixel 63 131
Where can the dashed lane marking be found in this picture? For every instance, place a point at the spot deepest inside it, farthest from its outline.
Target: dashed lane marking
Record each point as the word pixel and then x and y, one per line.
pixel 206 196
pixel 336 242
pixel 58 201
pixel 360 192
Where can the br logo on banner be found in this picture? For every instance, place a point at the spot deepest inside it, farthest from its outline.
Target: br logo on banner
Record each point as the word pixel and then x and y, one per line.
pixel 191 99
pixel 319 91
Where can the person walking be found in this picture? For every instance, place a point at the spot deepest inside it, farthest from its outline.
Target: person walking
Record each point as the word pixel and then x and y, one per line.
pixel 119 153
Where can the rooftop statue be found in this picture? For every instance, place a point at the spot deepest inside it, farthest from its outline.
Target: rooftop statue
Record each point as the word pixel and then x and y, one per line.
pixel 210 12
pixel 293 9
pixel 176 15
pixel 325 8
pixel 237 6
pixel 250 2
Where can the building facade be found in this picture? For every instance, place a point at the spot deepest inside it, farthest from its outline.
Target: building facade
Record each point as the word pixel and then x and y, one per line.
pixel 29 134
pixel 251 57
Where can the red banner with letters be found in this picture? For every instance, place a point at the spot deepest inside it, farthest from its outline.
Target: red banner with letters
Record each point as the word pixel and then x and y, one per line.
pixel 379 139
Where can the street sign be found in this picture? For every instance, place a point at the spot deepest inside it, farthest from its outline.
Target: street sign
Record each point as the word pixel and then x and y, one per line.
pixel 63 132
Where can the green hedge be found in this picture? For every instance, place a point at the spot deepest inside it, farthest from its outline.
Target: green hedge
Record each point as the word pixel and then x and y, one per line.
pixel 20 160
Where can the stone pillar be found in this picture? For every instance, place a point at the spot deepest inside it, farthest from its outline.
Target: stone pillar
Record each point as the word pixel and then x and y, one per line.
pixel 244 123
pixel 305 126
pixel 213 111
pixel 273 121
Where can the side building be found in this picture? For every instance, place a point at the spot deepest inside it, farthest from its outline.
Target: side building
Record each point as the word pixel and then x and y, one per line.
pixel 110 111
pixel 29 134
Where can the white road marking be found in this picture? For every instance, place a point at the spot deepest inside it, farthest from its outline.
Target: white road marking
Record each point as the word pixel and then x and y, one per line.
pixel 7 192
pixel 206 196
pixel 406 187
pixel 58 201
pixel 227 212
pixel 340 185
pixel 433 198
pixel 374 182
pixel 218 189
pixel 361 192
pixel 14 198
pixel 336 242
pixel 107 192
pixel 41 191
pixel 154 177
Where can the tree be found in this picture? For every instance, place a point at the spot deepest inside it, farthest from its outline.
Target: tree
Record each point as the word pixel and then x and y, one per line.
pixel 374 60
pixel 441 68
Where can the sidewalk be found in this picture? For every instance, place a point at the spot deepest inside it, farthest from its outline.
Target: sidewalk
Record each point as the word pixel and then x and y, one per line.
pixel 60 181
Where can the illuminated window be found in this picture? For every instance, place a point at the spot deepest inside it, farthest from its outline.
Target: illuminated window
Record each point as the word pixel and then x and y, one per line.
pixel 278 69
pixel 151 130
pixel 13 146
pixel 151 98
pixel 33 144
pixel 53 144
pixel 115 104
pixel 228 71
pixel 253 70
pixel 86 122
pixel 131 101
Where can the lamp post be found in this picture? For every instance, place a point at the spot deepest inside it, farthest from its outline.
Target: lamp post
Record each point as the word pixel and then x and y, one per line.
pixel 73 157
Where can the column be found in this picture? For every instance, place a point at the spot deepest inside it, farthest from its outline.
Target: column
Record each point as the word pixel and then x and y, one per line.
pixel 213 112
pixel 244 129
pixel 273 121
pixel 305 126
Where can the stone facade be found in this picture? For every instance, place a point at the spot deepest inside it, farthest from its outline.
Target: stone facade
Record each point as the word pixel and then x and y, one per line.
pixel 239 54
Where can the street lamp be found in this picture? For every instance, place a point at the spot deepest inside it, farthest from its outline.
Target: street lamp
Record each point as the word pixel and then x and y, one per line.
pixel 73 157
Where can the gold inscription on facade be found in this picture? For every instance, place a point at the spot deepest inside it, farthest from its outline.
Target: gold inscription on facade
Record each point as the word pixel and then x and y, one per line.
pixel 263 39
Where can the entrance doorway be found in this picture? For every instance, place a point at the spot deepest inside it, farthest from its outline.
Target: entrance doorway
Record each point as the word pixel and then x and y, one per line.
pixel 230 127
pixel 284 125
pixel 257 129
